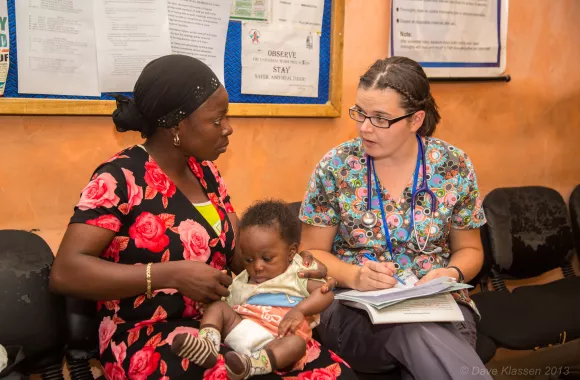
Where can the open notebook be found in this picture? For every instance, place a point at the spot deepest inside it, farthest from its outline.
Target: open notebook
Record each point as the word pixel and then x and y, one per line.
pixel 429 302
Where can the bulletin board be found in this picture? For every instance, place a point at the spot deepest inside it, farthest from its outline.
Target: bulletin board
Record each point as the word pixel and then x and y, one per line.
pixel 328 103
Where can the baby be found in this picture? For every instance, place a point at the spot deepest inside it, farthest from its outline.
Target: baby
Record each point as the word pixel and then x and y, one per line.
pixel 268 315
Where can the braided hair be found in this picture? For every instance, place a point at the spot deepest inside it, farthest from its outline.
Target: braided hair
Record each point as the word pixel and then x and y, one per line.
pixel 407 78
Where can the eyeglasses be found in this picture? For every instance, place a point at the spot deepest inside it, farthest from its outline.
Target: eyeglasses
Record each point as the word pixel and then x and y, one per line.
pixel 377 121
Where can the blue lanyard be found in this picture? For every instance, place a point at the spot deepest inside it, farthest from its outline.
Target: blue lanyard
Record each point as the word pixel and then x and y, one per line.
pixel 382 209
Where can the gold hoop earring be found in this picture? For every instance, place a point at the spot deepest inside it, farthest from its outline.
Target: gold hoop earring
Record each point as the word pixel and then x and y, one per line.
pixel 176 140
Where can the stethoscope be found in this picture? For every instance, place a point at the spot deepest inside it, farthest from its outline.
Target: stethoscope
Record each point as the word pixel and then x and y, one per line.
pixel 369 219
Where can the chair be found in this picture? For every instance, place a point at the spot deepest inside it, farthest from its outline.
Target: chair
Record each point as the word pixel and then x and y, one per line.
pixel 528 234
pixel 82 332
pixel 574 205
pixel 32 317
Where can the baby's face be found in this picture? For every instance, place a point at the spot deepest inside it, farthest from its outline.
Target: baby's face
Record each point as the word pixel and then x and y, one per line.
pixel 266 255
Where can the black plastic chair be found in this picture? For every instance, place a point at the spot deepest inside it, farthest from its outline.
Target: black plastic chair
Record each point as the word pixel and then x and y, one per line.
pixel 82 337
pixel 32 318
pixel 574 205
pixel 528 234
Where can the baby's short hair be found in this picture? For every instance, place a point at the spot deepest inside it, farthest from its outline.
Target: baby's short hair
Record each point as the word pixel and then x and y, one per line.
pixel 273 213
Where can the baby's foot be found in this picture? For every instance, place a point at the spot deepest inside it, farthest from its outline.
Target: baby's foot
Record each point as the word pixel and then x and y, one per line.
pixel 237 365
pixel 200 351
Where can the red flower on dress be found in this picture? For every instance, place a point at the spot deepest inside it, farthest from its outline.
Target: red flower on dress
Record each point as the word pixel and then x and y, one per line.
pixel 338 359
pixel 106 330
pixel 134 193
pixel 218 372
pixel 120 352
pixel 109 222
pixel 218 261
pixel 114 371
pixel 143 363
pixel 197 171
pixel 191 308
pixel 329 373
pixel 312 350
pixel 148 232
pixel 157 182
pixel 100 192
pixel 118 244
pixel 195 241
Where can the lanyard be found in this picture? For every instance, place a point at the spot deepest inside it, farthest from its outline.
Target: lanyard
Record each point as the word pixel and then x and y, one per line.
pixel 380 196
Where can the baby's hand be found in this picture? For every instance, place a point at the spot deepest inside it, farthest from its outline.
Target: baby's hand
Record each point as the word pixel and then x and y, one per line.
pixel 290 323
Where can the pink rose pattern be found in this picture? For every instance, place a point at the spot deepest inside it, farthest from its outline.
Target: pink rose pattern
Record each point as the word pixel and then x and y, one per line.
pixel 106 330
pixel 195 241
pixel 100 192
pixel 109 222
pixel 154 222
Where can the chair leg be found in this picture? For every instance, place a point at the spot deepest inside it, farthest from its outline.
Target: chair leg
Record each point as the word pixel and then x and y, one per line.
pixel 54 372
pixel 80 369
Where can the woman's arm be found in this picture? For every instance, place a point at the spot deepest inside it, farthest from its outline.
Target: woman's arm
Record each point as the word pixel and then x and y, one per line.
pixel 318 241
pixel 466 252
pixel 237 263
pixel 78 271
pixel 371 276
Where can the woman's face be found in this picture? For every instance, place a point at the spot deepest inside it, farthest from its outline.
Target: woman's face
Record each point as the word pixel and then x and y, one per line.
pixel 204 134
pixel 383 142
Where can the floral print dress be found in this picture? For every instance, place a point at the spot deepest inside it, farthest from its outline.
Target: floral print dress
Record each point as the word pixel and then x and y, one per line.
pixel 154 222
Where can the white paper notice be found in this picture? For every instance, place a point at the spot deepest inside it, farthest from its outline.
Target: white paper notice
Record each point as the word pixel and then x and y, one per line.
pixel 199 29
pixel 305 14
pixel 451 38
pixel 4 45
pixel 130 34
pixel 56 47
pixel 277 60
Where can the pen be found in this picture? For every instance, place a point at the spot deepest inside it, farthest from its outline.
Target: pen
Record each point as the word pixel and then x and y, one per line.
pixel 372 258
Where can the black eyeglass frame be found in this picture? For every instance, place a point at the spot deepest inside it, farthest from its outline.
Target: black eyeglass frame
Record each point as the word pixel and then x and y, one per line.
pixel 390 122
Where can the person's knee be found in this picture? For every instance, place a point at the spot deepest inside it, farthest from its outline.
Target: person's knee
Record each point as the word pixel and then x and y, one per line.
pixel 297 342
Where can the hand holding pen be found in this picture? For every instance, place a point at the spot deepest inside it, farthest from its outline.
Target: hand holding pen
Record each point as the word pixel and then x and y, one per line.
pixel 372 258
pixel 375 276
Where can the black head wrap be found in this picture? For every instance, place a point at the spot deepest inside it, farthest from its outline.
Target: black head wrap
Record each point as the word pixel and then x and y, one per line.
pixel 168 90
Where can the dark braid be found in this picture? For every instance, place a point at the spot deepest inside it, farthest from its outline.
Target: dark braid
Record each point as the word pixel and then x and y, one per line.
pixel 407 78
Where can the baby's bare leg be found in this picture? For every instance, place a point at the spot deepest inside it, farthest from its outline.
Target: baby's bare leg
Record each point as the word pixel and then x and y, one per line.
pixel 279 354
pixel 219 318
pixel 286 351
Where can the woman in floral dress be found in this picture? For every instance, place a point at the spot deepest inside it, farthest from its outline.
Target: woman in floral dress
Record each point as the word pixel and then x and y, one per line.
pixel 153 233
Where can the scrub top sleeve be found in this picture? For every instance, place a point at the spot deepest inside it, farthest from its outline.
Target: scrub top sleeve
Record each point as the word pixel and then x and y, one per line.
pixel 468 211
pixel 320 206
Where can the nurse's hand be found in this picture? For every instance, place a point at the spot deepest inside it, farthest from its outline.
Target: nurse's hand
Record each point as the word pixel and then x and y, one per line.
pixel 374 276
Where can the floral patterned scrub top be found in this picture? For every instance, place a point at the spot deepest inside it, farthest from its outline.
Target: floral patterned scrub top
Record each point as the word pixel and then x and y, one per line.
pixel 337 196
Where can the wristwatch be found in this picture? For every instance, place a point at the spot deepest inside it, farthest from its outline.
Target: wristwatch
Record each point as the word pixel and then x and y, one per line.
pixel 461 278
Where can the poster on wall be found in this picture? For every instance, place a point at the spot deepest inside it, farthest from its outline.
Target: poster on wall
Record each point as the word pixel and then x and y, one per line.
pixel 4 45
pixel 279 61
pixel 452 38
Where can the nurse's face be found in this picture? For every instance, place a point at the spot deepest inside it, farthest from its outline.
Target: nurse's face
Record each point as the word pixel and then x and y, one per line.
pixel 384 142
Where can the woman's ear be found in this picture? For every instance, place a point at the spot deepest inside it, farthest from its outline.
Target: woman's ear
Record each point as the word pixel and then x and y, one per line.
pixel 292 251
pixel 417 120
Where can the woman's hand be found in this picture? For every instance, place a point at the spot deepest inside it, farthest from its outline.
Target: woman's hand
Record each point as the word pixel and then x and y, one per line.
pixel 375 276
pixel 320 273
pixel 199 281
pixel 439 272
pixel 290 323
